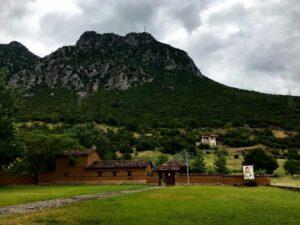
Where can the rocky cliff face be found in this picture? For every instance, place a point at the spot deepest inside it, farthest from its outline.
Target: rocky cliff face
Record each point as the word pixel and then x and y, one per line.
pixel 107 60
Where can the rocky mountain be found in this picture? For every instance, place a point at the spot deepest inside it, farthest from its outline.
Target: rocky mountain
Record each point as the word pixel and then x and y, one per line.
pixel 15 57
pixel 107 60
pixel 134 79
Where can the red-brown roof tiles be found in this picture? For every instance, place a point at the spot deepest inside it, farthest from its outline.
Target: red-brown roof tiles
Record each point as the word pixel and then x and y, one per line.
pixel 124 164
pixel 170 166
pixel 78 152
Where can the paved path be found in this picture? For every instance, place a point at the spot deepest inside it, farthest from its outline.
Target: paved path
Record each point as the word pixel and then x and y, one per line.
pixel 37 206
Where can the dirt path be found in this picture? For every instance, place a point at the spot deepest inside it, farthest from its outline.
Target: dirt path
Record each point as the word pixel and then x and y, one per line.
pixel 37 206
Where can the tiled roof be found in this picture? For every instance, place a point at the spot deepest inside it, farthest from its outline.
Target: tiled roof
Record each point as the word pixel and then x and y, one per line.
pixel 124 164
pixel 171 165
pixel 78 152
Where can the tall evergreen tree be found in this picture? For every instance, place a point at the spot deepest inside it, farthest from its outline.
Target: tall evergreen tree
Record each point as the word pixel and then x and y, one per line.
pixel 220 161
pixel 198 165
pixel 10 144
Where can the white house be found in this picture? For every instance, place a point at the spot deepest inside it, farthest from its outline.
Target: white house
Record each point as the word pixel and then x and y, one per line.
pixel 210 139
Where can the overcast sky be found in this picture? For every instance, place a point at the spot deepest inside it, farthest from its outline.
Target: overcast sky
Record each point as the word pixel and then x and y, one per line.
pixel 249 44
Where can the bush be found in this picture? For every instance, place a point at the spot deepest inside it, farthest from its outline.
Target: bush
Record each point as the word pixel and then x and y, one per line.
pixel 161 159
pixel 174 145
pixel 145 144
pixel 261 161
pixel 204 146
pixel 293 154
pixel 132 126
pixel 127 156
pixel 125 149
pixel 292 167
pixel 238 138
pixel 236 156
pixel 261 172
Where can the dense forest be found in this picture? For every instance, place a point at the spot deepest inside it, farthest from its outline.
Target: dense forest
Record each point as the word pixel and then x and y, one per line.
pixel 171 100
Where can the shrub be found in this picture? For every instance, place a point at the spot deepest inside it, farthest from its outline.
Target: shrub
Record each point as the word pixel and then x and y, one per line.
pixel 161 159
pixel 292 167
pixel 145 144
pixel 132 126
pixel 261 161
pixel 203 146
pixel 125 149
pixel 236 156
pixel 127 156
pixel 293 154
pixel 260 172
pixel 238 138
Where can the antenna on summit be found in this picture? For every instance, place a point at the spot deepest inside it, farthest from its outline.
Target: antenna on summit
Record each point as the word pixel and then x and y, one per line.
pixel 145 29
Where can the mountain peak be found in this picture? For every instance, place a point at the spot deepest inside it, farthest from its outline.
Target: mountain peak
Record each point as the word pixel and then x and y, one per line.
pixel 109 61
pixel 16 44
pixel 139 38
pixel 92 38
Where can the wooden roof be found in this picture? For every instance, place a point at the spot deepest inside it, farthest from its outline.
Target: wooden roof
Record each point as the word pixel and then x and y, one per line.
pixel 119 164
pixel 78 152
pixel 170 166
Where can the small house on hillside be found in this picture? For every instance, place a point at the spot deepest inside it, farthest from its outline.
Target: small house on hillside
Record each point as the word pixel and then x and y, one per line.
pixel 210 139
pixel 87 167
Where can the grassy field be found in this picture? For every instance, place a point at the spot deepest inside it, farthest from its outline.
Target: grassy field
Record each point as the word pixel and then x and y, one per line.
pixel 287 181
pixel 10 195
pixel 197 205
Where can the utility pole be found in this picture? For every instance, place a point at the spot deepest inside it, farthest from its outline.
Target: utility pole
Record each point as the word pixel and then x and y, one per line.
pixel 187 167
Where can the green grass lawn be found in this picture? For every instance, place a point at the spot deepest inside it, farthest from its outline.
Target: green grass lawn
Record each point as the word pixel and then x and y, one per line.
pixel 287 181
pixel 10 195
pixel 209 205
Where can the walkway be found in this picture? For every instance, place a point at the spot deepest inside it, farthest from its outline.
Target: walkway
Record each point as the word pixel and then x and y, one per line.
pixel 42 205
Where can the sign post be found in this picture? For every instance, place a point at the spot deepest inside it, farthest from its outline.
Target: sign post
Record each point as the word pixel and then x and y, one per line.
pixel 187 168
pixel 248 172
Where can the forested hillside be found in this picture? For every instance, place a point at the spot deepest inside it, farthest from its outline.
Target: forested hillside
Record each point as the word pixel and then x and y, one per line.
pixel 134 80
pixel 177 101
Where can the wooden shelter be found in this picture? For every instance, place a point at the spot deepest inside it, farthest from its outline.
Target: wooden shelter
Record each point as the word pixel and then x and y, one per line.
pixel 167 171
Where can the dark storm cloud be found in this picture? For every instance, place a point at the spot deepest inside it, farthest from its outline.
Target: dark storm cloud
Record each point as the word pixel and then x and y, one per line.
pixel 243 43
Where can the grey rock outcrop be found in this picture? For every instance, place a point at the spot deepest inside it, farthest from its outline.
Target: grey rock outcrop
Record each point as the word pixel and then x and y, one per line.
pixel 107 60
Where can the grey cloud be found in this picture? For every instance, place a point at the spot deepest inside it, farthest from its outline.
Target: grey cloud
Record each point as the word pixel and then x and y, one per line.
pixel 253 47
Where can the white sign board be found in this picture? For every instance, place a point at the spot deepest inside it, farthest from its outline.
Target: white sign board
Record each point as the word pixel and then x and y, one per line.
pixel 248 172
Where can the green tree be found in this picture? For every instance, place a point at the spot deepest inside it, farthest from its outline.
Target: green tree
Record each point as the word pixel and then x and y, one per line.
pixel 292 167
pixel 220 161
pixel 88 135
pixel 161 159
pixel 42 150
pixel 261 161
pixel 10 144
pixel 198 164
pixel 127 156
pixel 293 154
